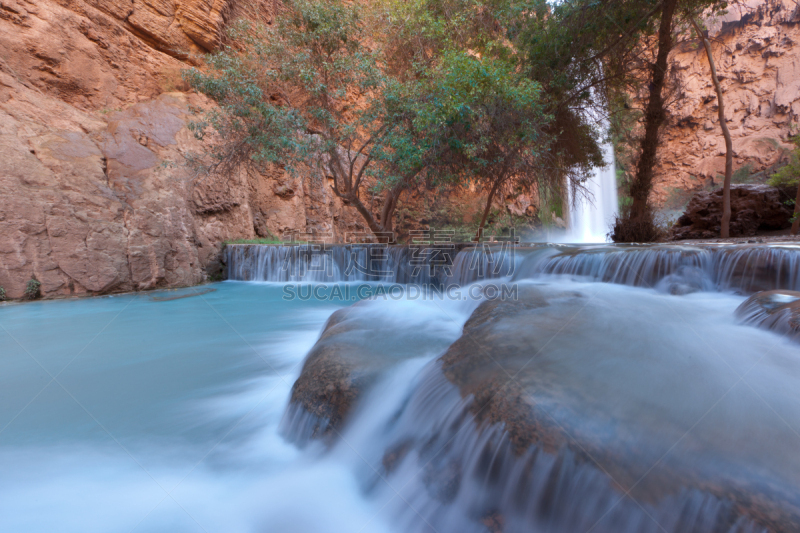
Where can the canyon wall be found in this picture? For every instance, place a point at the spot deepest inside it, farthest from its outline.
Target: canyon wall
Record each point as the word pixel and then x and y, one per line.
pixel 756 48
pixel 95 192
pixel 96 195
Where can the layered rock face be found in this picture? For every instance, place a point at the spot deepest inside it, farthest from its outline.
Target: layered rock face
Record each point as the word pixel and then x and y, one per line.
pixel 95 192
pixel 756 53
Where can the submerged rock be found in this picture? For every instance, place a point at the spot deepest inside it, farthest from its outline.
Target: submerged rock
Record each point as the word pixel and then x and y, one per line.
pixel 777 311
pixel 754 208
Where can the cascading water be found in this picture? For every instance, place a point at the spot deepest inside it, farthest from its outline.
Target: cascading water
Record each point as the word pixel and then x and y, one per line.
pixel 591 219
pixel 674 268
pixel 155 415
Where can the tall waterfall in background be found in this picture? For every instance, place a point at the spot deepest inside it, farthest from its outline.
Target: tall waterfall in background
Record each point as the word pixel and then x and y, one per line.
pixel 591 219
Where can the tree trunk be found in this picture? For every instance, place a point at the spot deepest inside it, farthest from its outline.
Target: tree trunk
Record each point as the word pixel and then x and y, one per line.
pixel 796 222
pixel 726 186
pixel 479 235
pixel 389 206
pixel 366 214
pixel 350 195
pixel 654 115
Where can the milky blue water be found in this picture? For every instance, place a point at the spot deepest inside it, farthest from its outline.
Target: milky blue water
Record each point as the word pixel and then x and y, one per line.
pixel 128 414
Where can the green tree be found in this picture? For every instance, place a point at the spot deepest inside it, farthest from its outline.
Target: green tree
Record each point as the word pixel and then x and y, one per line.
pixel 637 223
pixel 560 146
pixel 486 121
pixel 310 89
pixel 316 88
pixel 790 175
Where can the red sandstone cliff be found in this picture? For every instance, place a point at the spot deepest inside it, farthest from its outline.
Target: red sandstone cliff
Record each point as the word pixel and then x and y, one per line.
pixel 757 51
pixel 95 195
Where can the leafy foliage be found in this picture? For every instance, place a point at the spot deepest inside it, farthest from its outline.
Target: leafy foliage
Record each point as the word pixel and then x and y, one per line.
pixel 789 174
pixel 32 289
pixel 487 122
pixel 382 98
pixel 425 33
pixel 288 94
pixel 315 89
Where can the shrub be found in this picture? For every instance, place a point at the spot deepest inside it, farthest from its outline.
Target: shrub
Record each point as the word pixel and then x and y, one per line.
pixel 789 175
pixel 743 174
pixel 32 289
pixel 644 229
pixel 2 294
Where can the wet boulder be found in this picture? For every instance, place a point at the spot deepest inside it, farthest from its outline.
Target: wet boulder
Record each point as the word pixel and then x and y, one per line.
pixel 340 366
pixel 570 372
pixel 777 311
pixel 754 209
pixel 357 346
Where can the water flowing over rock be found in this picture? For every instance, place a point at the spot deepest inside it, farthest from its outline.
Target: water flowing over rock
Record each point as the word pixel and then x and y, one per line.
pixel 461 475
pixel 744 268
pixel 754 209
pixel 676 269
pixel 357 345
pixel 517 427
pixel 778 311
pixel 422 264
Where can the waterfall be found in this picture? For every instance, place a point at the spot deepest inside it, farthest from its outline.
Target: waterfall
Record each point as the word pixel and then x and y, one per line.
pixel 336 263
pixel 677 269
pixel 743 268
pixel 591 219
pixel 477 477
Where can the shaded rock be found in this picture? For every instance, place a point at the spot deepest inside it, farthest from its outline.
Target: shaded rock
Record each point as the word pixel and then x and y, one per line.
pixel 777 311
pixel 90 208
pixel 98 203
pixel 337 370
pixel 95 191
pixel 754 209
